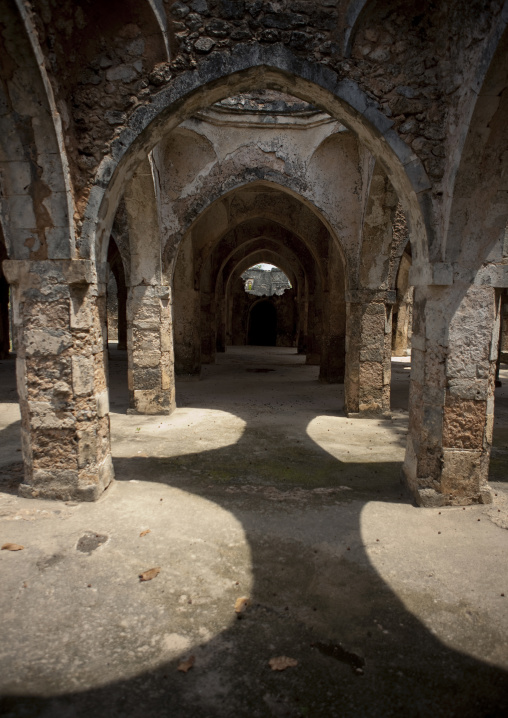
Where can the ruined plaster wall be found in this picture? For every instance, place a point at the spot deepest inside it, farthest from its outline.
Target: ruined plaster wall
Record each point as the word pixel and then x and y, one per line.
pixel 201 161
pixel 59 320
pixel 422 68
pixel 419 66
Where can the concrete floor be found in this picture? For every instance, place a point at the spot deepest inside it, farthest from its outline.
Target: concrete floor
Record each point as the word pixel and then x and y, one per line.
pixel 259 487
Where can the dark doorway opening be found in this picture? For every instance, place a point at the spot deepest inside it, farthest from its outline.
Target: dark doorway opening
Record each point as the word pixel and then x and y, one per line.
pixel 263 325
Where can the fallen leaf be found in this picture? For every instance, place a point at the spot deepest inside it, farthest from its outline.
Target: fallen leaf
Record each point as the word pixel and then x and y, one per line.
pixel 241 604
pixel 12 547
pixel 145 532
pixel 151 573
pixel 280 663
pixel 185 666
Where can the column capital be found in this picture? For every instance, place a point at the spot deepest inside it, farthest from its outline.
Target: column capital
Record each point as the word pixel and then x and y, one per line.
pixel 364 296
pixel 20 272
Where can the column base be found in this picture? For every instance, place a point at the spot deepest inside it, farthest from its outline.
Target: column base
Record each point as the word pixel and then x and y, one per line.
pixel 432 498
pixel 68 485
pixel 313 359
pixel 151 402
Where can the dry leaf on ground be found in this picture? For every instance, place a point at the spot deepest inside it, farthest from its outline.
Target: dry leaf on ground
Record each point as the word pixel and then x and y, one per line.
pixel 280 663
pixel 12 547
pixel 185 666
pixel 145 532
pixel 151 573
pixel 241 604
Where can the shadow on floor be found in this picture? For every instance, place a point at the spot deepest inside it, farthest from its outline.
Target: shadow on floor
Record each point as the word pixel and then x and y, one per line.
pixel 316 596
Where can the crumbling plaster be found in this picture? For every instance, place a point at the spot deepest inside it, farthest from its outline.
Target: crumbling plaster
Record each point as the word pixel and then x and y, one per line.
pixel 87 94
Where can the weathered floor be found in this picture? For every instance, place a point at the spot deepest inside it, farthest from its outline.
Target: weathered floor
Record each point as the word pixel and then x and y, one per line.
pixel 257 486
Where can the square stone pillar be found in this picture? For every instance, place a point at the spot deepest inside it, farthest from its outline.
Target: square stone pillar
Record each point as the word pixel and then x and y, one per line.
pixel 59 315
pixel 150 350
pixel 451 402
pixel 314 330
pixel 403 326
pixel 368 352
pixel 333 356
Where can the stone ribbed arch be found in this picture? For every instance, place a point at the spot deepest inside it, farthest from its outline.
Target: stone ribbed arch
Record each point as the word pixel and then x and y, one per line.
pixel 377 236
pixel 479 205
pixel 229 282
pixel 256 252
pixel 195 173
pixel 257 204
pixel 312 252
pixel 262 211
pixel 195 279
pixel 255 199
pixel 36 202
pixel 255 234
pixel 245 68
pixel 248 254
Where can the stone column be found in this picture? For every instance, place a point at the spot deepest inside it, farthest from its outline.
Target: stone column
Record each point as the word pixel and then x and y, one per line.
pixel 187 313
pixel 333 348
pixel 333 344
pixel 314 331
pixel 149 303
pixel 301 303
pixel 451 403
pixel 121 295
pixel 4 317
pixel 150 350
pixel 60 327
pixel 403 324
pixel 368 352
pixel 122 316
pixel 503 349
pixel 333 359
pixel 208 327
pixel 220 341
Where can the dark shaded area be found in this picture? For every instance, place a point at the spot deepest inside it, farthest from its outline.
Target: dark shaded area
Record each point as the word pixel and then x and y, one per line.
pixel 263 325
pixel 360 652
pixel 4 304
pixel 117 269
pixel 90 541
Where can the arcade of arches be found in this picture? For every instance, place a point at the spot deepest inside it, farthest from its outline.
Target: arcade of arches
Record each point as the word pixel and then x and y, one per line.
pixel 172 145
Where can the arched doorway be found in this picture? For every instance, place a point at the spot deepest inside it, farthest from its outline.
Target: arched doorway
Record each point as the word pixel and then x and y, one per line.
pixel 262 324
